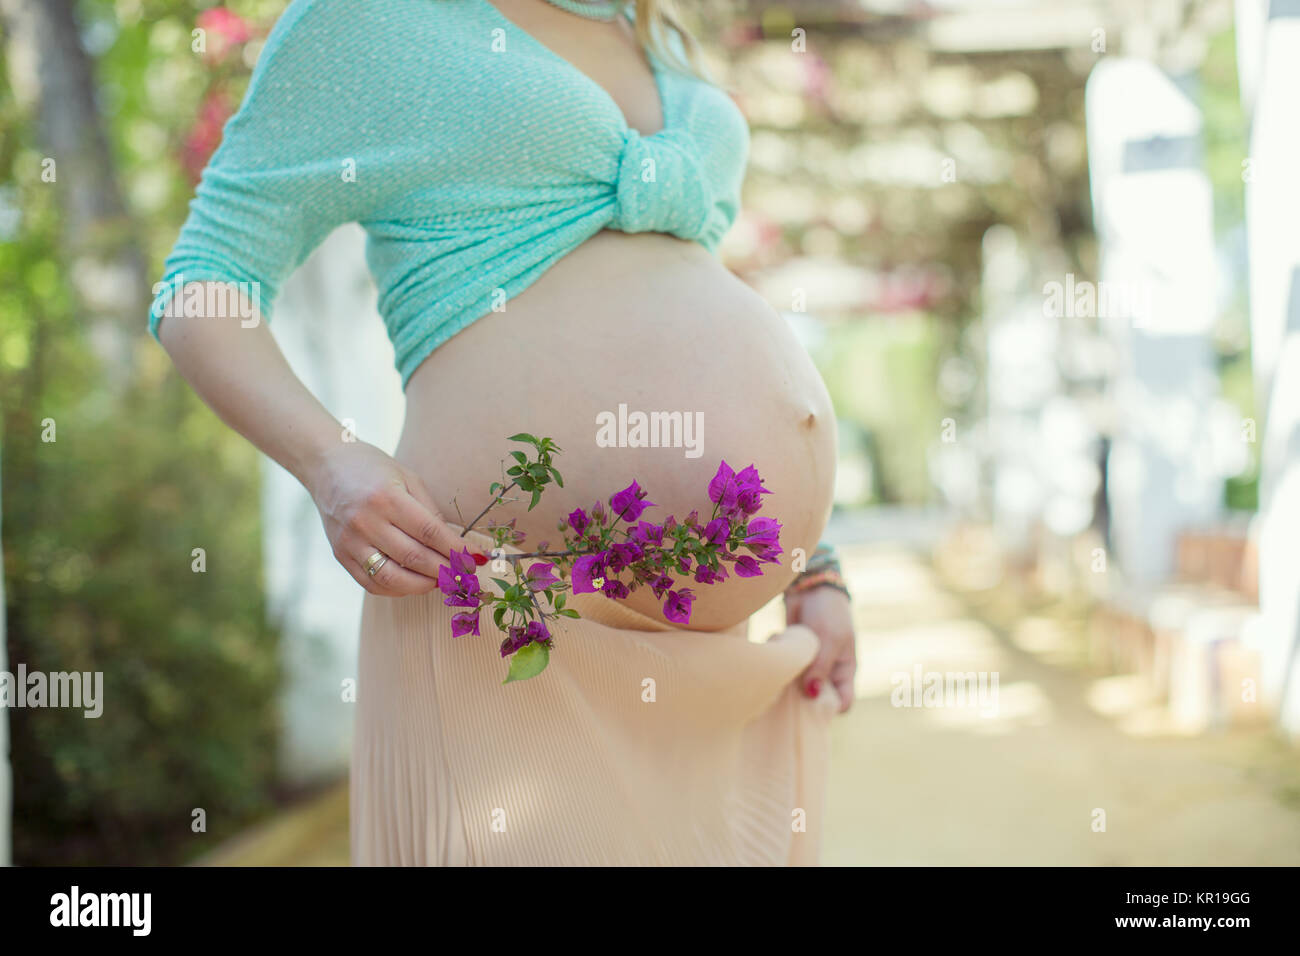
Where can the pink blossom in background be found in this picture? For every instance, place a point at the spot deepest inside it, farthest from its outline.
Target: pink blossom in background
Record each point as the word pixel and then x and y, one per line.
pixel 205 135
pixel 816 79
pixel 225 31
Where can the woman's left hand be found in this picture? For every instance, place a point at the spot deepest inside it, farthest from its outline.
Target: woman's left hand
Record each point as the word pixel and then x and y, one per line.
pixel 826 612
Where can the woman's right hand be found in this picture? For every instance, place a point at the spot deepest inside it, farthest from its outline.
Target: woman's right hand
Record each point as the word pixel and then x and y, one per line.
pixel 369 502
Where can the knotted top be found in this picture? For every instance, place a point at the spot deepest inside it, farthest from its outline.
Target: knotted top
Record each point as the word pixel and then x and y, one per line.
pixel 661 186
pixel 473 155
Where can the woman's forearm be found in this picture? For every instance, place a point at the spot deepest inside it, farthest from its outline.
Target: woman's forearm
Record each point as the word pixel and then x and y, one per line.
pixel 242 375
pixel 381 521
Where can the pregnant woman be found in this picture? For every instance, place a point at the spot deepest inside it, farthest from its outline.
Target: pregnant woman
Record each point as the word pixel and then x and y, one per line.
pixel 544 184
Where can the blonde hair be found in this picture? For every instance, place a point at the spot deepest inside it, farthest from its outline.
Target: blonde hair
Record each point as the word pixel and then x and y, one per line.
pixel 655 21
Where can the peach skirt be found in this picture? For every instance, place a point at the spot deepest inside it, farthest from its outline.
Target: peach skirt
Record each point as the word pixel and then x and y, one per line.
pixel 641 744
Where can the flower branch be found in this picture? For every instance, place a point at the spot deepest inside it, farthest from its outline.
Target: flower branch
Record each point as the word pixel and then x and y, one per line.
pixel 600 557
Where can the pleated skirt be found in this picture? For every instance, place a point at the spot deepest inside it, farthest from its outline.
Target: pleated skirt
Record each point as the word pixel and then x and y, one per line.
pixel 640 744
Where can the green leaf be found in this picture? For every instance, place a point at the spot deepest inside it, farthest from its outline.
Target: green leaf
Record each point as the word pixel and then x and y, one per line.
pixel 499 615
pixel 523 436
pixel 529 661
pixel 570 612
pixel 556 475
pixel 514 471
pixel 537 496
pixel 494 487
pixel 520 457
pixel 504 585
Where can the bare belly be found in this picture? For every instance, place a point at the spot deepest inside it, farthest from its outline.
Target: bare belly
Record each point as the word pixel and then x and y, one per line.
pixel 654 324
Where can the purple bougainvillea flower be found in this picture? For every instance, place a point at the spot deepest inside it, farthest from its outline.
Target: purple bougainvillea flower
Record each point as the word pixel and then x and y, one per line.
pixel 615 589
pixel 514 640
pixel 747 567
pixel 678 606
pixel 707 575
pixel 646 533
pixel 517 637
pixel 584 569
pixel 737 493
pixel 541 576
pixel 763 537
pixel 716 531
pixel 722 488
pixel 661 585
pixel 629 503
pixel 750 491
pixel 464 623
pixel 462 600
pixel 684 564
pixel 578 520
pixel 454 579
pixel 459 582
pixel 623 554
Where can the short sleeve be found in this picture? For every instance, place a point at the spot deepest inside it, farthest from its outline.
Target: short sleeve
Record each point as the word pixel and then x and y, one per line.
pixel 287 170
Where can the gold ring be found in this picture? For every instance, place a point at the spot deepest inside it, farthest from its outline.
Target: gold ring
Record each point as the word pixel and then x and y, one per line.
pixel 375 562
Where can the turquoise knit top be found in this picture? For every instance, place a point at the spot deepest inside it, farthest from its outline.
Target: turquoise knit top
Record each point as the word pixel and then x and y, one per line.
pixel 473 156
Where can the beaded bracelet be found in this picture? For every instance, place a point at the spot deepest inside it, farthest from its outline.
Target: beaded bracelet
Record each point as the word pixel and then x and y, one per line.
pixel 823 557
pixel 823 570
pixel 811 584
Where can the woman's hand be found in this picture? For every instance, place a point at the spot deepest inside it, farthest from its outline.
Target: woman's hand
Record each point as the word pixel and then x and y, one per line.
pixel 825 611
pixel 368 502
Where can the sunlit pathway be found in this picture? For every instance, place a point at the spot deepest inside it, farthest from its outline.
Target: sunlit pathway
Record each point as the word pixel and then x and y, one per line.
pixel 949 786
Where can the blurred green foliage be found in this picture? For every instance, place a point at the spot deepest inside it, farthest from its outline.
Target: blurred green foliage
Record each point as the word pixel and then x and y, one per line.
pixel 881 374
pixel 100 524
pixel 1227 141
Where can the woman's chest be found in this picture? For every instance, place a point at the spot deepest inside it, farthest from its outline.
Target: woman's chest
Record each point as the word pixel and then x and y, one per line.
pixel 607 54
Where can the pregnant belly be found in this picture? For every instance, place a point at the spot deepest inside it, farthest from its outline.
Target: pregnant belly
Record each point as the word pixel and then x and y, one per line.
pixel 624 327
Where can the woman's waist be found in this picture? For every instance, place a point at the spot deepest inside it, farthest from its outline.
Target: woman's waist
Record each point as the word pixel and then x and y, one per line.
pixel 625 326
pixel 613 296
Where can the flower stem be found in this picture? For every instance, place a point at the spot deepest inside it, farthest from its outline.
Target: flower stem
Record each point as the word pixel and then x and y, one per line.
pixel 495 501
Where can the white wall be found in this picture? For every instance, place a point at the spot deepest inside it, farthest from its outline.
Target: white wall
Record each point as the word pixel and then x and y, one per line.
pixel 1272 70
pixel 1153 210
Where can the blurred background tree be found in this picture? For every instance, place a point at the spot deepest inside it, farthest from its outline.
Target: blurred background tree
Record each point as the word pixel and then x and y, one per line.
pixel 114 472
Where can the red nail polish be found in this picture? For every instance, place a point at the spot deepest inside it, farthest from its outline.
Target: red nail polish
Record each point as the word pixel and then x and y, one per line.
pixel 479 559
pixel 814 687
